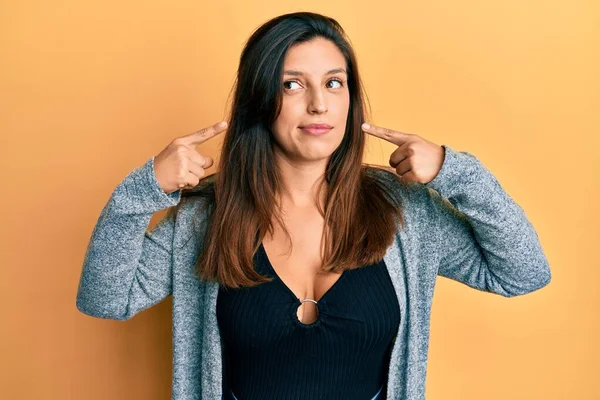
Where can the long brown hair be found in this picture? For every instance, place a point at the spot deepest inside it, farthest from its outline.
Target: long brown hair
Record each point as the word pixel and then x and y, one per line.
pixel 360 210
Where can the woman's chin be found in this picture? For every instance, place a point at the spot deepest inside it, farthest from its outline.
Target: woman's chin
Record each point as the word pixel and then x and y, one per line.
pixel 311 153
pixel 316 153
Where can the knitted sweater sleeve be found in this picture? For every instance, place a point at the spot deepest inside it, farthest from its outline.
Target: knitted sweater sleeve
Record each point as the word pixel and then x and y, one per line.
pixel 485 239
pixel 126 267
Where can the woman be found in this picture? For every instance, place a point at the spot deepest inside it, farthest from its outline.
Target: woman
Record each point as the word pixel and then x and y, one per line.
pixel 298 272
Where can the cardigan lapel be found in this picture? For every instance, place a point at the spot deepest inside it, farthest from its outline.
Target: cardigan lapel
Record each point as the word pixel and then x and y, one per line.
pixel 212 354
pixel 394 262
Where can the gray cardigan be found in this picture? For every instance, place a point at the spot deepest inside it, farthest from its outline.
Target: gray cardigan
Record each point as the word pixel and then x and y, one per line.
pixel 462 225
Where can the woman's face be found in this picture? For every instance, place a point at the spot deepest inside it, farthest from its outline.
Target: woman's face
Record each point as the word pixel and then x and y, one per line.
pixel 315 91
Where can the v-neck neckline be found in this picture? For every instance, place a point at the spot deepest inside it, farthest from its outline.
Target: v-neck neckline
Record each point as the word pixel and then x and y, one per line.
pixel 263 252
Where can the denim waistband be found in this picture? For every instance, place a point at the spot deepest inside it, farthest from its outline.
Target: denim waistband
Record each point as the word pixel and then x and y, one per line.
pixel 376 397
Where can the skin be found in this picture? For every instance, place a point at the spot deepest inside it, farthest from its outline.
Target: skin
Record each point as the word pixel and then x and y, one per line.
pixel 310 95
pixel 416 160
pixel 314 95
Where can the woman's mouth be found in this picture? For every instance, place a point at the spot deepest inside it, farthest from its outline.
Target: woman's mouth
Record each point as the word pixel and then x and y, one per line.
pixel 316 129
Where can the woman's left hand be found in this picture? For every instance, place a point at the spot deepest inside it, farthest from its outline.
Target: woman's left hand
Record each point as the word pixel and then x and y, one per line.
pixel 416 159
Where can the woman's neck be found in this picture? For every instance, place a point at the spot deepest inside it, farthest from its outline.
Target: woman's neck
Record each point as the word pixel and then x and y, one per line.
pixel 300 182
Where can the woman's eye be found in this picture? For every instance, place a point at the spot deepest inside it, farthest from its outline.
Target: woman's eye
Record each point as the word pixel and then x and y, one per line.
pixel 289 82
pixel 337 81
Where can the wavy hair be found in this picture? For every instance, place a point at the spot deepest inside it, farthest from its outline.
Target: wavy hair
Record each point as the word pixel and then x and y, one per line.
pixel 360 209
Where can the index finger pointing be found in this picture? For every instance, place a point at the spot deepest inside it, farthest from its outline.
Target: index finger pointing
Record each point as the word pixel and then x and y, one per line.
pixel 391 136
pixel 204 134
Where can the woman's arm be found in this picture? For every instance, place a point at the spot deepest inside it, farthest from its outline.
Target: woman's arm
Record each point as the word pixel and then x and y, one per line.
pixel 485 239
pixel 127 268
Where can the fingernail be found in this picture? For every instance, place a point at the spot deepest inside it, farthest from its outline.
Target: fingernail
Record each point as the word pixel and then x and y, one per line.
pixel 366 126
pixel 223 124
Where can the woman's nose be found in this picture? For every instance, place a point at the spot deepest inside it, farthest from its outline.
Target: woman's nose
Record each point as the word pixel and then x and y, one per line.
pixel 317 103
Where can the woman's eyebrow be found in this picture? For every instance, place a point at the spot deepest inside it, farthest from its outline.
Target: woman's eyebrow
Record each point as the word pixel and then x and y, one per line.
pixel 298 73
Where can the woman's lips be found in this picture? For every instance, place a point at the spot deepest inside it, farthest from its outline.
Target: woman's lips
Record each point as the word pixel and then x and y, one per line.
pixel 315 131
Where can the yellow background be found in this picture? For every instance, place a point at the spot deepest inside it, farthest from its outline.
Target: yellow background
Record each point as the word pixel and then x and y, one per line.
pixel 91 89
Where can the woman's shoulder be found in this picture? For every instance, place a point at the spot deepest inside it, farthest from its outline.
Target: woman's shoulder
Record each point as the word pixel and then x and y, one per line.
pixel 414 196
pixel 195 202
pixel 202 196
pixel 389 180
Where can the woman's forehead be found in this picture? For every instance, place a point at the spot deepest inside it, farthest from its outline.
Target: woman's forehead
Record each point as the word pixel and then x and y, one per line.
pixel 316 57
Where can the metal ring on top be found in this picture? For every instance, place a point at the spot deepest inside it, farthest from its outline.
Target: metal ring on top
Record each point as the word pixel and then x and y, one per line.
pixel 302 301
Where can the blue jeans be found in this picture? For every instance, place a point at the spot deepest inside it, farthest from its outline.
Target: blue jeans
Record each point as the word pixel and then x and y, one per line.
pixel 376 397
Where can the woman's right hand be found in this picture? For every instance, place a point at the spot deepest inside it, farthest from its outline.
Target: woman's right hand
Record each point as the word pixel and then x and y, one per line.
pixel 179 165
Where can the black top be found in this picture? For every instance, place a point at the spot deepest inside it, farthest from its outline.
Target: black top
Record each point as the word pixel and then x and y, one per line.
pixel 344 354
